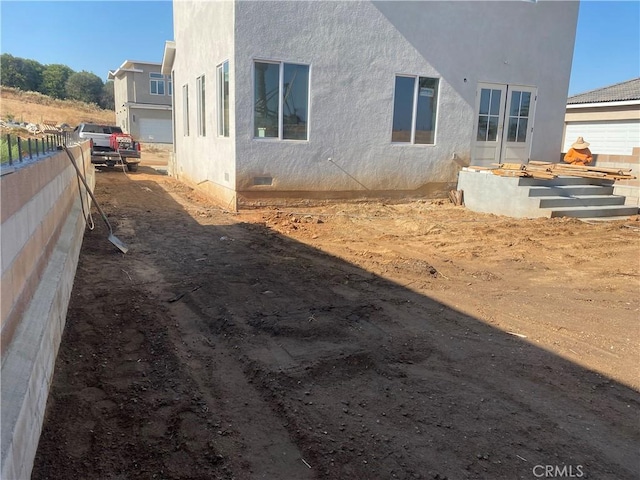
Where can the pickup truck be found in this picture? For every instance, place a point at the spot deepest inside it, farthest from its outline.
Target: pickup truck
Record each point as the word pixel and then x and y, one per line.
pixel 110 146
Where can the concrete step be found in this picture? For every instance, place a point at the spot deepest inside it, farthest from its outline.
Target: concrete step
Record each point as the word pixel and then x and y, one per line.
pixel 570 190
pixel 580 201
pixel 595 211
pixel 531 182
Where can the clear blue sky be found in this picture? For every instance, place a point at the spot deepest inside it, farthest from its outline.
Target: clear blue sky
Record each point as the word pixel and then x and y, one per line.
pixel 607 47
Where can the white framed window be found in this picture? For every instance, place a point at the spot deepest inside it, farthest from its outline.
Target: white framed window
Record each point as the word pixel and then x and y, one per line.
pixel 281 100
pixel 185 110
pixel 415 105
pixel 200 106
pixel 223 99
pixel 156 86
pixel 169 86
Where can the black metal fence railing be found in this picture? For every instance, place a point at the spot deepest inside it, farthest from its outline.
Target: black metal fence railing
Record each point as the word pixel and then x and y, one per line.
pixel 15 149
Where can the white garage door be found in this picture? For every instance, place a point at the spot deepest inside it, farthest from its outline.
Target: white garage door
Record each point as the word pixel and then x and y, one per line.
pixel 155 130
pixel 608 137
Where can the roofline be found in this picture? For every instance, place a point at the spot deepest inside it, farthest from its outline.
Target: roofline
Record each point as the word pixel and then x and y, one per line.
pixel 119 71
pixel 621 103
pixel 168 57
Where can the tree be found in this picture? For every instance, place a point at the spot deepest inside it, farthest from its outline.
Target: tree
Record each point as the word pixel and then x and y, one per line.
pixel 84 86
pixel 33 74
pixel 54 79
pixel 20 73
pixel 107 98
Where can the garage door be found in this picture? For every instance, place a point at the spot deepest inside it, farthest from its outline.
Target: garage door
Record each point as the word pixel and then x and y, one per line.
pixel 155 130
pixel 608 137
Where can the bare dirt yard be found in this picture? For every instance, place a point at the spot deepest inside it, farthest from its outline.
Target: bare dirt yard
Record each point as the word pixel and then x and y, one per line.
pixel 347 341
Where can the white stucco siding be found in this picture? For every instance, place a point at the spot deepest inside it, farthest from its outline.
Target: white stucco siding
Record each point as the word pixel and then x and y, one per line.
pixel 355 49
pixel 203 32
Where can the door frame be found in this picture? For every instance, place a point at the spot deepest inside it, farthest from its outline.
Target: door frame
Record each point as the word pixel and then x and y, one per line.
pixel 503 114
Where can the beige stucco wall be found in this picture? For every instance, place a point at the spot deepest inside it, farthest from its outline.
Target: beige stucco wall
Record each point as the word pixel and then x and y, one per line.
pixel 625 112
pixel 354 50
pixel 204 35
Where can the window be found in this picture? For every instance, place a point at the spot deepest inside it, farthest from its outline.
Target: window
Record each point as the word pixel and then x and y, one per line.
pixel 157 84
pixel 281 101
pixel 169 86
pixel 518 116
pixel 185 110
pixel 414 110
pixel 201 110
pixel 489 115
pixel 223 99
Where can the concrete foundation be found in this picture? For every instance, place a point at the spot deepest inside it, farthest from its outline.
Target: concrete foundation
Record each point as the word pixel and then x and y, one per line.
pixel 485 192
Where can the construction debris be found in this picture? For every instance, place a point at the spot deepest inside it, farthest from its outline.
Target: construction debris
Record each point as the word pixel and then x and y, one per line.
pixel 456 197
pixel 548 170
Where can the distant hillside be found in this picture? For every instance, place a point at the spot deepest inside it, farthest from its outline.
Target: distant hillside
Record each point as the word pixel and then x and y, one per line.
pixel 33 107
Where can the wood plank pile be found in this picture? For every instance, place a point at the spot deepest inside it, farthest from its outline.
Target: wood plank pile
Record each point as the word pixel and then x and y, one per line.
pixel 548 170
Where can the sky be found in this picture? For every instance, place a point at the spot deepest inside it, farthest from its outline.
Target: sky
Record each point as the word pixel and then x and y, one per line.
pixel 83 36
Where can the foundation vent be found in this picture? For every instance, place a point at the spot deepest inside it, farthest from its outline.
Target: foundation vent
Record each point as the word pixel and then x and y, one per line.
pixel 263 180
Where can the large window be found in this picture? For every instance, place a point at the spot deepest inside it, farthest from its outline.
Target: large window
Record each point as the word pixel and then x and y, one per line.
pixel 223 99
pixel 414 110
pixel 157 84
pixel 201 108
pixel 281 101
pixel 185 110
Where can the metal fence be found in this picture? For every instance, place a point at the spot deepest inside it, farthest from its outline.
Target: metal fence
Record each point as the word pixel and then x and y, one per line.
pixel 14 149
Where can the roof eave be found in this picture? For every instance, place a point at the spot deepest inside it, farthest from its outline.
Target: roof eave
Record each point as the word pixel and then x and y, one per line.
pixel 168 57
pixel 622 103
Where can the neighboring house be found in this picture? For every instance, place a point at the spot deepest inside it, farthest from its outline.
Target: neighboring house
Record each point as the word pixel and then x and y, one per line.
pixel 608 118
pixel 310 100
pixel 142 97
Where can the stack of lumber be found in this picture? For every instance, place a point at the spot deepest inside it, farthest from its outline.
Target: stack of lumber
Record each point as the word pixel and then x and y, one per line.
pixel 548 170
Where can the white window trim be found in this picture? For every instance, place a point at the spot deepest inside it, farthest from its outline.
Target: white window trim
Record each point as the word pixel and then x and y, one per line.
pixel 414 111
pixel 185 110
pixel 157 80
pixel 201 114
pixel 281 64
pixel 220 100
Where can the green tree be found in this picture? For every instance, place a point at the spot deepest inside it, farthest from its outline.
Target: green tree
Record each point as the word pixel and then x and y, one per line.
pixel 107 98
pixel 84 86
pixel 20 73
pixel 33 74
pixel 54 79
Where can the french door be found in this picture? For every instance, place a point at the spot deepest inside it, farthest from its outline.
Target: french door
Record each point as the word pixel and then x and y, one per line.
pixel 503 124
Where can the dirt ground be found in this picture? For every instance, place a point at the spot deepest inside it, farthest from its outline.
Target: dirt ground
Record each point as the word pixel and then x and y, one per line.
pixel 347 341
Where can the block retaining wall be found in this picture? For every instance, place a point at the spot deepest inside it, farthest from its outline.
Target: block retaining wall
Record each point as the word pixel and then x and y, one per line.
pixel 42 230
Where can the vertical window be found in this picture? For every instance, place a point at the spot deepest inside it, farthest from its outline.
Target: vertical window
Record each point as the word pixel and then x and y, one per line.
pixel 223 99
pixel 185 110
pixel 157 84
pixel 415 110
pixel 518 116
pixel 169 86
pixel 489 115
pixel 201 108
pixel 281 101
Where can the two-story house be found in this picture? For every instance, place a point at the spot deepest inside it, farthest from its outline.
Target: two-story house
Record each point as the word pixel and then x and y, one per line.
pixel 307 100
pixel 142 96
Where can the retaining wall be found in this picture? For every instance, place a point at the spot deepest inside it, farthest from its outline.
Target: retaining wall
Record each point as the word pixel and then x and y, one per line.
pixel 42 230
pixel 630 189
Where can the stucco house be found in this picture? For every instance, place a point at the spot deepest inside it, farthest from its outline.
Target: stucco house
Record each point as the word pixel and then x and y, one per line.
pixel 311 100
pixel 142 96
pixel 608 117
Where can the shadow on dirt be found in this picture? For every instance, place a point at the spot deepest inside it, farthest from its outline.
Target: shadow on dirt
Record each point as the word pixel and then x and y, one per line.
pixel 218 349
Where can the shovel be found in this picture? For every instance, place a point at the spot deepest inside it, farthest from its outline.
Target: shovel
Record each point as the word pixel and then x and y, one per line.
pixel 112 238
